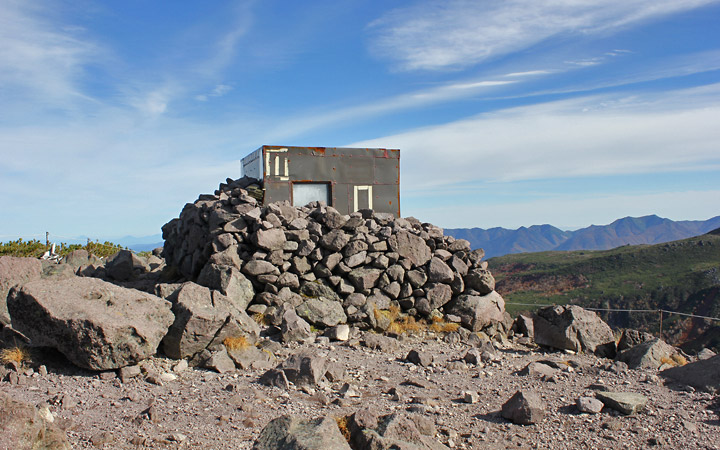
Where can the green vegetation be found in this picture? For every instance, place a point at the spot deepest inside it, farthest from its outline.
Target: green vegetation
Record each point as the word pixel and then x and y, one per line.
pixel 35 248
pixel 681 276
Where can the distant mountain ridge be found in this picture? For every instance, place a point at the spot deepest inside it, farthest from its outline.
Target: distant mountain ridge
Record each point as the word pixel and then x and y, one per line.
pixel 626 231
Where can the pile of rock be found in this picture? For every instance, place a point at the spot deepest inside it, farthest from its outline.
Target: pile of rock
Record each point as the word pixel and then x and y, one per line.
pixel 283 262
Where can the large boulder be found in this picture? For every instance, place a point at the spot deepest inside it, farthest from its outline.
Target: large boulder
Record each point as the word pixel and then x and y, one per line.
pixel 230 282
pixel 702 374
pixel 204 318
pixel 292 432
pixel 573 328
pixel 648 355
pixel 14 271
pixel 24 427
pixel 95 324
pixel 478 311
pixel 392 431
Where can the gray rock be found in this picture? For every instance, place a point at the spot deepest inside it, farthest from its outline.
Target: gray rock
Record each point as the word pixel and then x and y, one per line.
pixel 648 355
pixel 220 362
pixel 438 294
pixel 624 402
pixel 298 433
pixel 705 353
pixel 410 246
pixel 439 272
pixel 589 405
pixel 251 358
pixel 259 267
pixel 305 368
pixel 478 312
pixel 364 279
pixel 95 324
pixel 321 311
pixel 203 318
pixel 379 342
pixel 631 338
pixel 539 370
pixel 420 358
pixel 573 328
pixel 230 282
pixel 338 333
pixel 123 265
pixel 335 240
pixel 15 271
pixel 416 278
pixel 319 290
pixel 272 239
pixel 26 427
pixel 480 280
pixel 294 328
pixel 524 408
pixel 702 374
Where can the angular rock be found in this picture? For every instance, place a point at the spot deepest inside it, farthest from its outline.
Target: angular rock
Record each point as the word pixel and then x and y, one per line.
pixel 420 358
pixel 272 239
pixel 338 333
pixel 631 338
pixel 702 374
pixel 220 362
pixel 648 355
pixel 259 267
pixel 480 280
pixel 122 265
pixel 624 402
pixel 478 312
pixel 204 317
pixel 15 271
pixel 439 272
pixel 292 432
pixel 438 294
pixel 95 324
pixel 23 426
pixel 364 279
pixel 335 240
pixel 321 311
pixel 589 405
pixel 294 328
pixel 524 408
pixel 305 368
pixel 410 246
pixel 230 282
pixel 573 328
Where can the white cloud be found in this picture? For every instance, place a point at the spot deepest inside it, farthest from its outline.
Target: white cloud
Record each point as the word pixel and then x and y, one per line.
pixel 458 33
pixel 596 135
pixel 39 59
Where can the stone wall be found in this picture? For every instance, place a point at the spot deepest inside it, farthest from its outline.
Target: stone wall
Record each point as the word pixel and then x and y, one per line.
pixel 330 268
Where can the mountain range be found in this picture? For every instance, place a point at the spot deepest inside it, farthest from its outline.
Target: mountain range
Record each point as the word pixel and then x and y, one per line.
pixel 626 231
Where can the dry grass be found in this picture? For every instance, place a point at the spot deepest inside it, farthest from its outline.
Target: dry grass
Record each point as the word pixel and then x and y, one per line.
pixel 17 355
pixel 405 325
pixel 674 360
pixel 438 325
pixel 236 343
pixel 261 319
pixel 342 423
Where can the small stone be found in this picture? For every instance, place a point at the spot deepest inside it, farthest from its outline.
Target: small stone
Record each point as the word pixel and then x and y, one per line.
pixel 470 397
pixel 589 405
pixel 524 408
pixel 42 370
pixel 181 366
pixel 168 377
pixel 128 372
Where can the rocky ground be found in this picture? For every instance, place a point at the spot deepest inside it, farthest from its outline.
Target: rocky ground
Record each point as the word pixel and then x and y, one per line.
pixel 167 406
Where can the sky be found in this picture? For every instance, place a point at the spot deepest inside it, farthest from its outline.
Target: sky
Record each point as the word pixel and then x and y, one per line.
pixel 507 113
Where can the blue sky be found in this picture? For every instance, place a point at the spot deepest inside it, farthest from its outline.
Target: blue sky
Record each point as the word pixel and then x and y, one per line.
pixel 507 113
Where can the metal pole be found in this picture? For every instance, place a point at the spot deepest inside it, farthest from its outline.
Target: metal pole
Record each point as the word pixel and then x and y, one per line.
pixel 661 324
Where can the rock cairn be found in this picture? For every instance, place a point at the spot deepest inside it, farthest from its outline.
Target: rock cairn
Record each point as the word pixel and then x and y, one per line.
pixel 329 268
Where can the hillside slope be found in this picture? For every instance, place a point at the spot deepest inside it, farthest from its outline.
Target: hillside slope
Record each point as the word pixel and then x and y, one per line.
pixel 627 231
pixel 682 276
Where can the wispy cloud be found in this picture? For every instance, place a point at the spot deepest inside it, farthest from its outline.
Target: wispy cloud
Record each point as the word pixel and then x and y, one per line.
pixel 595 135
pixel 459 33
pixel 40 59
pixel 218 91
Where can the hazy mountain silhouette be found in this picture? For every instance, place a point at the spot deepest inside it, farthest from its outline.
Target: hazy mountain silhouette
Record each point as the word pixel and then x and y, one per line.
pixel 537 238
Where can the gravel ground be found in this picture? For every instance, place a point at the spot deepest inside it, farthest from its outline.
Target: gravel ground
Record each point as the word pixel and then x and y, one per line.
pixel 205 410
